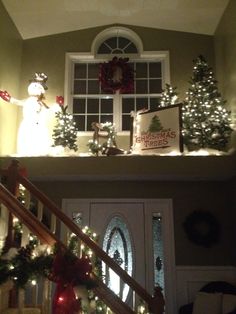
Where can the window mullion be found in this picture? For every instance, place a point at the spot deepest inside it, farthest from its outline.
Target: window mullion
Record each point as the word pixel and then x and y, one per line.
pixel 117 109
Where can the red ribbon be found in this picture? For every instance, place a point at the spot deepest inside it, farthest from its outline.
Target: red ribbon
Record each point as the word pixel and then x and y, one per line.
pixel 67 272
pixel 60 100
pixel 64 300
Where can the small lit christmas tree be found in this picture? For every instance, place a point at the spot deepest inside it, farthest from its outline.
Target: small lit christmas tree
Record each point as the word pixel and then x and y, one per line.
pixel 169 96
pixel 65 131
pixel 206 123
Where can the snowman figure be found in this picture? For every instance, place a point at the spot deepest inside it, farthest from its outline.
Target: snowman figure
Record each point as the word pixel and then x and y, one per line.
pixel 33 134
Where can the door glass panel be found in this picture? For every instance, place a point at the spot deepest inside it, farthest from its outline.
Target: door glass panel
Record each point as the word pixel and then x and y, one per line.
pixel 117 244
pixel 158 250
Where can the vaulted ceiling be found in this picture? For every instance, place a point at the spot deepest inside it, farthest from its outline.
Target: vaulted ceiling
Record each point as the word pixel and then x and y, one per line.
pixel 47 17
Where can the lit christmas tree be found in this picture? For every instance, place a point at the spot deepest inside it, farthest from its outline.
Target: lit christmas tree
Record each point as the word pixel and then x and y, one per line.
pixel 169 96
pixel 65 131
pixel 206 123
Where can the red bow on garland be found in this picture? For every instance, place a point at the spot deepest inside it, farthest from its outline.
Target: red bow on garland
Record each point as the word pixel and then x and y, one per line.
pixel 68 271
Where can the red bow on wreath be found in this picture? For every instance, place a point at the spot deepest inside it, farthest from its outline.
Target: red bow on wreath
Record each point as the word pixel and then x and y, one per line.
pixel 67 272
pixel 117 75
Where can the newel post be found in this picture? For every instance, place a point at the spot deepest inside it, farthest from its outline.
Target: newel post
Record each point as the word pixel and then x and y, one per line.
pixel 158 303
pixel 11 184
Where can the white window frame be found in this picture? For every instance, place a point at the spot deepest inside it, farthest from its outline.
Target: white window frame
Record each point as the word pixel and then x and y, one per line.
pixel 145 56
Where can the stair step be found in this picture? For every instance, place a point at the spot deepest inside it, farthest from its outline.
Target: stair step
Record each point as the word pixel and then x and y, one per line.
pixel 29 310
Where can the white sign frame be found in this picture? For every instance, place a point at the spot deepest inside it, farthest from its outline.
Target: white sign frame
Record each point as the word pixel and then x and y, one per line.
pixel 157 132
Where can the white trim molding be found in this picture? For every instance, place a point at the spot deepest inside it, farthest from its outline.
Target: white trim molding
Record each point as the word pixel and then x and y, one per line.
pixel 190 279
pixel 114 32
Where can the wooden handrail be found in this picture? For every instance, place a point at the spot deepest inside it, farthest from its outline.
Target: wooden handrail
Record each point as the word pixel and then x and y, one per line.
pixel 47 236
pixel 90 243
pixel 16 207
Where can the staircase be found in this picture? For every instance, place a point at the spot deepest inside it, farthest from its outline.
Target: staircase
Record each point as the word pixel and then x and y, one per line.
pixel 47 234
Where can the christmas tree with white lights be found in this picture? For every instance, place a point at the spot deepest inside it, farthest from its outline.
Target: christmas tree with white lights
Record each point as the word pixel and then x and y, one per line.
pixel 65 130
pixel 206 122
pixel 169 96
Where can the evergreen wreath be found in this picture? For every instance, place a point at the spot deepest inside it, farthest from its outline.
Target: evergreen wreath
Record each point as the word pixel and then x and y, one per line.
pixel 117 75
pixel 202 228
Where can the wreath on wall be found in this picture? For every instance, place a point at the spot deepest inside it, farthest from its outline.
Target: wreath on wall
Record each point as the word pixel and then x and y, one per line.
pixel 116 75
pixel 202 228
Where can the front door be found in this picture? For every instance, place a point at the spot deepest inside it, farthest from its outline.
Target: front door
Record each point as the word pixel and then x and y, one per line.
pixel 137 234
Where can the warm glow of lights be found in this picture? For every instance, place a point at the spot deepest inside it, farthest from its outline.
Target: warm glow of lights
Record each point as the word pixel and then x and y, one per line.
pixel 85 229
pixel 205 152
pixel 15 220
pixel 172 153
pixel 33 282
pixel 141 309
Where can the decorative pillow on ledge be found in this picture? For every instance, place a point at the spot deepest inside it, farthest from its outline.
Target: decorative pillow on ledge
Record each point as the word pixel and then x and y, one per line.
pixel 228 304
pixel 208 303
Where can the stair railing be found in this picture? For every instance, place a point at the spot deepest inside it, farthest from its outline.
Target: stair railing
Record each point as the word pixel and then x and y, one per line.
pixel 14 177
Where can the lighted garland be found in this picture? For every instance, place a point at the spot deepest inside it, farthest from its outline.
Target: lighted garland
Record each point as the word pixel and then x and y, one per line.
pixel 116 75
pixel 30 262
pixel 70 273
pixel 21 266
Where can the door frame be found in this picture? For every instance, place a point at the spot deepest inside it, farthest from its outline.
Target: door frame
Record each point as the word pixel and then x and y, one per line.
pixel 163 206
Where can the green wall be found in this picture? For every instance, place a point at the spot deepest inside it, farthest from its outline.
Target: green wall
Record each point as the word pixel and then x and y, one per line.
pixel 225 52
pixel 47 54
pixel 10 67
pixel 186 196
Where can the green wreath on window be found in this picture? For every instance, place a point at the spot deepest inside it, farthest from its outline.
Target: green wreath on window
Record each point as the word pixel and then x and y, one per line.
pixel 116 75
pixel 202 228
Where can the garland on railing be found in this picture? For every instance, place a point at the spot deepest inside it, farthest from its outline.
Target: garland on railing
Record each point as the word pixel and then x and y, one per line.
pixel 72 275
pixel 28 263
pixel 60 266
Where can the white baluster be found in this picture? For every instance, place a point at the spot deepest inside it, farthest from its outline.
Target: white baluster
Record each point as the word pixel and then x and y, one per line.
pixel 40 211
pixel 21 301
pixel 53 224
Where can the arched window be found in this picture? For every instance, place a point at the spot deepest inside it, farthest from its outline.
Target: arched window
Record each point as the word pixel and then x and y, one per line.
pixel 117 45
pixel 117 40
pixel 84 96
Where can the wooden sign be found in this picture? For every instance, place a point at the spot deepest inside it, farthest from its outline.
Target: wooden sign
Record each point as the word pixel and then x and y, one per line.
pixel 157 132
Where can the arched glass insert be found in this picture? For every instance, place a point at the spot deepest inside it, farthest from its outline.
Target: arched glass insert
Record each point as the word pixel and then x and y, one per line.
pixel 117 45
pixel 117 244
